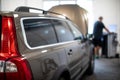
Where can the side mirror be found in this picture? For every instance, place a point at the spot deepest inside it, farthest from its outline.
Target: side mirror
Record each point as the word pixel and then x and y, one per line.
pixel 79 38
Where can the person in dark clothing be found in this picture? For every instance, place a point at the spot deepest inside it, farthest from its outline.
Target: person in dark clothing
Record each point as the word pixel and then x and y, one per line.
pixel 97 33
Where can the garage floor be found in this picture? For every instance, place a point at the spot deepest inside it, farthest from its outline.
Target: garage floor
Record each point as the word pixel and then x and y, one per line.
pixel 105 69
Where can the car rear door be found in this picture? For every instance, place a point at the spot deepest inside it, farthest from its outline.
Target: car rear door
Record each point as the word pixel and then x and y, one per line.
pixel 66 36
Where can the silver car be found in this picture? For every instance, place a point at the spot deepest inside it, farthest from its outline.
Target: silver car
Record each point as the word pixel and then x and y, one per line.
pixel 38 46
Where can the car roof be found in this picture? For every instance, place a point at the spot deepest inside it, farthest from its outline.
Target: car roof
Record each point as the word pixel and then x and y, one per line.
pixel 31 14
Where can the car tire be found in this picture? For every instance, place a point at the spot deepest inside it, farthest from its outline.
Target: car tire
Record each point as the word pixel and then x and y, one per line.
pixel 90 69
pixel 65 76
pixel 62 78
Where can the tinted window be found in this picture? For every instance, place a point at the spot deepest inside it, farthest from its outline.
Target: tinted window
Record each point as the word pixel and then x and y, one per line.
pixel 39 32
pixel 75 31
pixel 63 31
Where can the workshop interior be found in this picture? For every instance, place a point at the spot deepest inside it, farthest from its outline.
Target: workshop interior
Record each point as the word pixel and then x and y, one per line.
pixel 56 40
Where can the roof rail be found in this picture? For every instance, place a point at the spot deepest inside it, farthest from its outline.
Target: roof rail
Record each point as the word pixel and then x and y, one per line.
pixel 27 9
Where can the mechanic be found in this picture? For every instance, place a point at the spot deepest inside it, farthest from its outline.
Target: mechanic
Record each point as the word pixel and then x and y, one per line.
pixel 97 33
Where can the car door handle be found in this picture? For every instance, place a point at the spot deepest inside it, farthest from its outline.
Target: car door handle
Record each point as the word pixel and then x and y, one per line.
pixel 70 52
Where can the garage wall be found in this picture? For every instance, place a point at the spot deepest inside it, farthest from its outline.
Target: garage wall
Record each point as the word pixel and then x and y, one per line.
pixel 110 10
pixel 10 5
pixel 0 4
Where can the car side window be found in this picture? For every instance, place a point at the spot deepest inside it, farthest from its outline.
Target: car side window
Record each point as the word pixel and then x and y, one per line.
pixel 39 32
pixel 63 31
pixel 75 31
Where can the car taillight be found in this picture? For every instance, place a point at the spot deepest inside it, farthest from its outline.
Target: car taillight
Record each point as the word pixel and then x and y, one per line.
pixel 9 66
pixel 8 38
pixel 12 65
pixel 15 69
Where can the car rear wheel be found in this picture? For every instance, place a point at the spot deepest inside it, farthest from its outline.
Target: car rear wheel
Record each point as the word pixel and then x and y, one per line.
pixel 65 76
pixel 62 78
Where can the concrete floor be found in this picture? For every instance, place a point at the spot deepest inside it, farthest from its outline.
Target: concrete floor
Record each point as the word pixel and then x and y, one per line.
pixel 105 69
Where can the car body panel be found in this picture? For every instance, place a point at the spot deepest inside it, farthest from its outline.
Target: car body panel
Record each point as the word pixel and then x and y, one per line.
pixel 47 61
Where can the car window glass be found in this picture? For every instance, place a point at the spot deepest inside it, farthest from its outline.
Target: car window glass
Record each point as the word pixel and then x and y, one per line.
pixel 75 31
pixel 39 32
pixel 63 31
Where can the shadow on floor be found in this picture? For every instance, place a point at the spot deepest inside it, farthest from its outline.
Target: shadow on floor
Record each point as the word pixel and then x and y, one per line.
pixel 105 69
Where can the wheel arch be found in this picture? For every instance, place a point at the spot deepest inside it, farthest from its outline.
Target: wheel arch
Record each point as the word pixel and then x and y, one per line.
pixel 61 71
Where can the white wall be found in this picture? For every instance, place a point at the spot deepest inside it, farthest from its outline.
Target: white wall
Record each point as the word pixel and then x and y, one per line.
pixel 88 5
pixel 0 4
pixel 35 3
pixel 110 10
pixel 10 5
